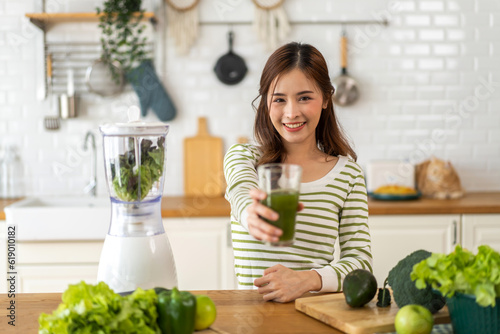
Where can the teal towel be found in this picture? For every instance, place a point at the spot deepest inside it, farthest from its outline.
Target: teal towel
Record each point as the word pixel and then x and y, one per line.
pixel 151 93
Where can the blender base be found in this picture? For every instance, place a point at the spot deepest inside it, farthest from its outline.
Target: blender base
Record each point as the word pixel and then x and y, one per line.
pixel 141 261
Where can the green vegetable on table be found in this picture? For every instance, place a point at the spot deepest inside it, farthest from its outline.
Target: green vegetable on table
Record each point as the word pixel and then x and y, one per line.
pixel 360 286
pixel 462 271
pixel 404 290
pixel 87 309
pixel 384 296
pixel 132 183
pixel 177 312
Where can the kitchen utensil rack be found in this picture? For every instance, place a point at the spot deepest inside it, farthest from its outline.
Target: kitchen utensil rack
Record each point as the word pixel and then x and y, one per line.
pixel 79 55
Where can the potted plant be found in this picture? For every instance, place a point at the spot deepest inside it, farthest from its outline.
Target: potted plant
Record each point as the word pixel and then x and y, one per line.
pixel 123 42
pixel 122 31
pixel 469 282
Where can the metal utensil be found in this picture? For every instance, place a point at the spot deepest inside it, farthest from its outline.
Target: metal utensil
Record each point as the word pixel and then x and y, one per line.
pixel 346 88
pixel 50 122
pixel 100 81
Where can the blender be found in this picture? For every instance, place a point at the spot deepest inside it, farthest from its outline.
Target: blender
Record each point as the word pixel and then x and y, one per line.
pixel 136 251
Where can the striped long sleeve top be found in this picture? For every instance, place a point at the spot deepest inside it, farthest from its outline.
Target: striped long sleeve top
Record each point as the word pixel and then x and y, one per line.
pixel 335 208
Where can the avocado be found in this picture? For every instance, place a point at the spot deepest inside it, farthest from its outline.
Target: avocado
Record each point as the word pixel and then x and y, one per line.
pixel 360 286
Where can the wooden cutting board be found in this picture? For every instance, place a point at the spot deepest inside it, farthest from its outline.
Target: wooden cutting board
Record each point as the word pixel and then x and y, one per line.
pixel 203 164
pixel 333 310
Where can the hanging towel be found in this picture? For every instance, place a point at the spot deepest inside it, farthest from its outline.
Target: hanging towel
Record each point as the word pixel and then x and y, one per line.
pixel 151 93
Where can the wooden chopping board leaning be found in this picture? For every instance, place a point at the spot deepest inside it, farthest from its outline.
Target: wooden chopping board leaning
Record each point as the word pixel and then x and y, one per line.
pixel 203 163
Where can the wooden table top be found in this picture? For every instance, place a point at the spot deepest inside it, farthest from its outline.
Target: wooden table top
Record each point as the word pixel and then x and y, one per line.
pixel 238 312
pixel 471 203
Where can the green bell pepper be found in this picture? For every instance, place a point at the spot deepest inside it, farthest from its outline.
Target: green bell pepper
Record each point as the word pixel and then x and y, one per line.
pixel 176 312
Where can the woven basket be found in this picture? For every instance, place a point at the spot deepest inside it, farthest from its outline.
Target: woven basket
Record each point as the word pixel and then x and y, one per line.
pixel 467 317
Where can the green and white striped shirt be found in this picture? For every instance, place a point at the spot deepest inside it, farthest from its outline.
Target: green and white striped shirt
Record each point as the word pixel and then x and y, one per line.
pixel 335 206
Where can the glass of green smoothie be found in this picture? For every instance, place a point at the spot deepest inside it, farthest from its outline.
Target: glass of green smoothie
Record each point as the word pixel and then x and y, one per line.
pixel 281 182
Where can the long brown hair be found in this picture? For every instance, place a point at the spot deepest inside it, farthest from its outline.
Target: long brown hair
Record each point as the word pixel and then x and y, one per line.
pixel 329 135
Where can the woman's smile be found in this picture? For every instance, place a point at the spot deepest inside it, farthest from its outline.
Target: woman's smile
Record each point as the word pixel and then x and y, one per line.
pixel 294 126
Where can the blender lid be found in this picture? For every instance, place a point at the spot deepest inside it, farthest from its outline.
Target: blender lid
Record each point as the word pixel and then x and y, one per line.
pixel 134 126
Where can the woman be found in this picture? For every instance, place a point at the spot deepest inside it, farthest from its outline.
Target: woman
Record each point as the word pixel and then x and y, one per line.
pixel 296 124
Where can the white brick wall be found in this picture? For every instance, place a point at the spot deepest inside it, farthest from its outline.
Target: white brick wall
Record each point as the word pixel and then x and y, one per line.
pixel 425 73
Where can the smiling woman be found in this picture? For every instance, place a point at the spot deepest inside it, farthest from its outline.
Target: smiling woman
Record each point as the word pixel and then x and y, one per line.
pixel 295 107
pixel 296 124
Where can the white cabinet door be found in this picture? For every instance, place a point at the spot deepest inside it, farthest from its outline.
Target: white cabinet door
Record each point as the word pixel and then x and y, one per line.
pixel 52 266
pixel 481 229
pixel 394 237
pixel 202 253
pixel 53 278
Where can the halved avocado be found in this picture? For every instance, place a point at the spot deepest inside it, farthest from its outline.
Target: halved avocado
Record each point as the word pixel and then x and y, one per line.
pixel 360 286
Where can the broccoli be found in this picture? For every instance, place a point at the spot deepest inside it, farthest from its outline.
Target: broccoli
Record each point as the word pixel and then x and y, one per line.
pixel 404 290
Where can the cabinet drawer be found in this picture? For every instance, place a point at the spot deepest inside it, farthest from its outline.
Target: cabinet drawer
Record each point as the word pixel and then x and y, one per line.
pixel 51 278
pixel 59 252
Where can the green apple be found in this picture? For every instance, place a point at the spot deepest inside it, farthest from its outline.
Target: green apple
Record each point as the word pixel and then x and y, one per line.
pixel 414 319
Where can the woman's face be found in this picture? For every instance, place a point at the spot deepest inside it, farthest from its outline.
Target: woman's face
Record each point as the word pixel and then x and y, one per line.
pixel 295 107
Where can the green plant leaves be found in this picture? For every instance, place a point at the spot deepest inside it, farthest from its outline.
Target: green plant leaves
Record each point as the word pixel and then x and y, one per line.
pixel 121 38
pixel 462 271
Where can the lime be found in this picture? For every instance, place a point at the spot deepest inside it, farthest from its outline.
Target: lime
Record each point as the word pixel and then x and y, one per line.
pixel 205 312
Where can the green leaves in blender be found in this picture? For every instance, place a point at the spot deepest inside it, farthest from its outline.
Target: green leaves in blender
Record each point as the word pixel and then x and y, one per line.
pixel 131 181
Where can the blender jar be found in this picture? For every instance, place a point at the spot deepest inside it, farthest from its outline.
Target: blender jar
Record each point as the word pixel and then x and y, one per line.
pixel 136 250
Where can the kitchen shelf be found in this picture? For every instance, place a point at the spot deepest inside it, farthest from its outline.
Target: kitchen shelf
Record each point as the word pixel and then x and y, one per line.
pixel 42 20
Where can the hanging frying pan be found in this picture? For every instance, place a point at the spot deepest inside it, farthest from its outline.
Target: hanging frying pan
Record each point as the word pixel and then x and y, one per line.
pixel 346 88
pixel 230 68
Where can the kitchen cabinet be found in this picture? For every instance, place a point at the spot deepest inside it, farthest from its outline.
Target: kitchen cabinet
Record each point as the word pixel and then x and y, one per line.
pixel 51 266
pixel 201 248
pixel 395 236
pixel 202 252
pixel 481 229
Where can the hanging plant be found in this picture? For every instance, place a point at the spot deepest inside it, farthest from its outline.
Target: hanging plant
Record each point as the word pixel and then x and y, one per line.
pixel 121 38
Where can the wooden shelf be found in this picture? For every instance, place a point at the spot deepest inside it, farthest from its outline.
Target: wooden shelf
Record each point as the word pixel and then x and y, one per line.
pixel 41 20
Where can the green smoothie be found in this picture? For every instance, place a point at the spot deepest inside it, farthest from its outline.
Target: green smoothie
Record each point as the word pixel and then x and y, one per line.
pixel 285 203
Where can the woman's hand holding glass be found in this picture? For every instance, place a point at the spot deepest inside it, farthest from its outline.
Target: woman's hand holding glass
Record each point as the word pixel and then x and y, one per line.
pixel 257 227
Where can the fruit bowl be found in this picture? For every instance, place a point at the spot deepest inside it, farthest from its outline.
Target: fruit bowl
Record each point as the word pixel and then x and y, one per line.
pixel 394 197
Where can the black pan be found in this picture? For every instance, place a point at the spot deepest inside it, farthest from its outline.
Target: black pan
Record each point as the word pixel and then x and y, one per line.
pixel 230 68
